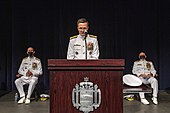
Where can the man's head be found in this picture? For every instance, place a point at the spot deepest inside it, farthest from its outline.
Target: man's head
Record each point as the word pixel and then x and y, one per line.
pixel 82 26
pixel 30 51
pixel 142 55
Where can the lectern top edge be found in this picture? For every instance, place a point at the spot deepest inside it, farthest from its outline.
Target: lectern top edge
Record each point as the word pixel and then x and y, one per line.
pixel 100 62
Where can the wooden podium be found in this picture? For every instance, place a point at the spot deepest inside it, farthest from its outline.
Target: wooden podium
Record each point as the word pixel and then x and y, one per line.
pixel 65 74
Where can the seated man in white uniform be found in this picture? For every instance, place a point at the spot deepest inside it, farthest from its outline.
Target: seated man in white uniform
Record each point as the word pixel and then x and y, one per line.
pixel 83 46
pixel 28 73
pixel 145 71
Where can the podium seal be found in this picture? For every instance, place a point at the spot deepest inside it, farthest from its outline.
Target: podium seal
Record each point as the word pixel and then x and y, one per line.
pixel 85 96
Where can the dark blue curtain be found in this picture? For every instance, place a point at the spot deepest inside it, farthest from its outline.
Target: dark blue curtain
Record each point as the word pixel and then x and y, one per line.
pixel 124 28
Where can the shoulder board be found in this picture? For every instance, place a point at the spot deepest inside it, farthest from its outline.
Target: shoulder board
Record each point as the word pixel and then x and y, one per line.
pixel 37 58
pixel 93 36
pixel 25 58
pixel 73 37
pixel 137 60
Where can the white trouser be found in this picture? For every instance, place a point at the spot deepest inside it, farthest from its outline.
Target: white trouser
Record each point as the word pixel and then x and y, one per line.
pixel 154 84
pixel 32 81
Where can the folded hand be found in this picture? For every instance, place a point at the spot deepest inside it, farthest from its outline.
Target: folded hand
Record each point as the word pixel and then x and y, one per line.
pixel 29 73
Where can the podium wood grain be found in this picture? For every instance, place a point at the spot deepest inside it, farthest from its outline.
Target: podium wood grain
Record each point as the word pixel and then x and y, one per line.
pixel 64 75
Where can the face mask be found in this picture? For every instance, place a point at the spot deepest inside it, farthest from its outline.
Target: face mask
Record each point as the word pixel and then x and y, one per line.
pixel 142 57
pixel 30 54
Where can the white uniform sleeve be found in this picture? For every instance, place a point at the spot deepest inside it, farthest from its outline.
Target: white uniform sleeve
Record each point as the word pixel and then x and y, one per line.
pixel 22 70
pixel 152 70
pixel 70 51
pixel 135 69
pixel 95 53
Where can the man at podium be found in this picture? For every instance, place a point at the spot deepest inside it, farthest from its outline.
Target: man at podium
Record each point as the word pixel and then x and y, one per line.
pixel 83 45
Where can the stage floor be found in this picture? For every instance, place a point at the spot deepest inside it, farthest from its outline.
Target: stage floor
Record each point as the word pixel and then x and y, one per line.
pixel 7 105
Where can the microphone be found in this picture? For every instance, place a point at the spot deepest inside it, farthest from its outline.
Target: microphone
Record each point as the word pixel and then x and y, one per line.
pixel 86 32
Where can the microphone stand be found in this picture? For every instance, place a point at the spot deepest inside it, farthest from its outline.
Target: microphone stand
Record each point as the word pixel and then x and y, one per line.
pixel 85 45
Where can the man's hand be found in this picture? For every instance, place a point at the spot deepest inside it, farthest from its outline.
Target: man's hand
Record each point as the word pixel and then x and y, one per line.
pixel 156 75
pixel 18 75
pixel 29 73
pixel 150 75
pixel 143 75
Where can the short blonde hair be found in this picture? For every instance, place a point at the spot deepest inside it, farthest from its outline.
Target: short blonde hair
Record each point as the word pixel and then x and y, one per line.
pixel 82 20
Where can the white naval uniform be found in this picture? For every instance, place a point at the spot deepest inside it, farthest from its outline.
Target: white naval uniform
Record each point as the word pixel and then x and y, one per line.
pixel 146 67
pixel 34 65
pixel 77 48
